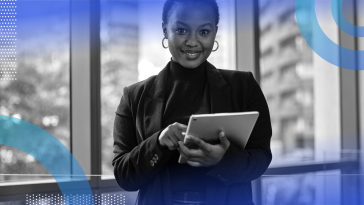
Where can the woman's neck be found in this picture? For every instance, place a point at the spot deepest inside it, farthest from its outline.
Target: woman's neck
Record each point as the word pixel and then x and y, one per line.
pixel 181 73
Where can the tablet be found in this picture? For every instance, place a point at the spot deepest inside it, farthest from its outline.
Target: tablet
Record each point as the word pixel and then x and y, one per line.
pixel 237 127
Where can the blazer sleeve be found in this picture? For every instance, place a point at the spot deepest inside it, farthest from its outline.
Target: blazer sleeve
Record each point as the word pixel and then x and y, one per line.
pixel 135 164
pixel 248 164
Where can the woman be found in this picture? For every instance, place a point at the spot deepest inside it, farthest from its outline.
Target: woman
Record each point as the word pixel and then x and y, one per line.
pixel 152 116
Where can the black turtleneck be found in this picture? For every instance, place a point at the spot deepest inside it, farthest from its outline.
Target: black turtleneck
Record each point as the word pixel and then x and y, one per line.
pixel 186 94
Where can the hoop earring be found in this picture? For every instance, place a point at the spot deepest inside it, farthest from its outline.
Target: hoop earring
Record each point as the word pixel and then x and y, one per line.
pixel 163 43
pixel 217 46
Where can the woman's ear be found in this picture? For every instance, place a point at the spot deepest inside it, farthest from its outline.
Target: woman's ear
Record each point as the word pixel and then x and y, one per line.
pixel 164 28
pixel 217 28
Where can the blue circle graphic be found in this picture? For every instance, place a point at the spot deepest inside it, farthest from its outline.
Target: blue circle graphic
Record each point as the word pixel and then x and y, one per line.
pixel 31 139
pixel 320 43
pixel 343 23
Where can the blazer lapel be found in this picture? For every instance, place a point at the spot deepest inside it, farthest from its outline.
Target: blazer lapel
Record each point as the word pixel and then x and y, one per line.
pixel 220 91
pixel 154 103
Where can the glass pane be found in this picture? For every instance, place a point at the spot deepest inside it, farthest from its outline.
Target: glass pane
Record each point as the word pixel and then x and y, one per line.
pixel 119 64
pixel 39 91
pixel 131 51
pixel 295 83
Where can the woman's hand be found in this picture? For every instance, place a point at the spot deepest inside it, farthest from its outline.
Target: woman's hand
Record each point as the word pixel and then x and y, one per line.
pixel 170 136
pixel 207 154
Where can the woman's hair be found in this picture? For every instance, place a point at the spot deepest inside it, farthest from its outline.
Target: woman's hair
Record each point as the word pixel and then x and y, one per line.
pixel 169 5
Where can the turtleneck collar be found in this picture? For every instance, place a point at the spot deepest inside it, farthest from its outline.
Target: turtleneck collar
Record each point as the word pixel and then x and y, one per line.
pixel 181 73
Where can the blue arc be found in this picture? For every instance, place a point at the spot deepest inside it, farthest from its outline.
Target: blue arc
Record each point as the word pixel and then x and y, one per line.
pixel 323 46
pixel 29 138
pixel 343 23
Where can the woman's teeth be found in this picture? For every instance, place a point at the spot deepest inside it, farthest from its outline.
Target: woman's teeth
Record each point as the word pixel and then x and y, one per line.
pixel 192 54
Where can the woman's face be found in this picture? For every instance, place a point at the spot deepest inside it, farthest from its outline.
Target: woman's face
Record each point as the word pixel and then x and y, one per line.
pixel 191 31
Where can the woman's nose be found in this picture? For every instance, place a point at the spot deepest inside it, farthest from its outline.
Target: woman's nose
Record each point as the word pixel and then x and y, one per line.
pixel 192 41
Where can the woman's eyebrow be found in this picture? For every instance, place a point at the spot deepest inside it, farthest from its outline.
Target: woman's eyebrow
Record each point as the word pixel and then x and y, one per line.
pixel 180 22
pixel 206 24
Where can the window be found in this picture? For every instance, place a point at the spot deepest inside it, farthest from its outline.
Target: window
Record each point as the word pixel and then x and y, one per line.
pixel 292 79
pixel 40 94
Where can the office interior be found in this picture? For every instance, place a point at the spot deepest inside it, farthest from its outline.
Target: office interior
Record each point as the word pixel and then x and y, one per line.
pixel 71 67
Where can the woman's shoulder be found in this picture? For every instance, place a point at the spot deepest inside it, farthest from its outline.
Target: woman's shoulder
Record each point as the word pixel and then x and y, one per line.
pixel 233 74
pixel 237 76
pixel 141 85
pixel 147 83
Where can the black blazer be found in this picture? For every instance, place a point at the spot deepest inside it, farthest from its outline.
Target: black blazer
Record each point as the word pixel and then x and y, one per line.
pixel 138 124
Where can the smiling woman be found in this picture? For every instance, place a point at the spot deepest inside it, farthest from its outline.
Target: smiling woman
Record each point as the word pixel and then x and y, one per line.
pixel 191 31
pixel 153 115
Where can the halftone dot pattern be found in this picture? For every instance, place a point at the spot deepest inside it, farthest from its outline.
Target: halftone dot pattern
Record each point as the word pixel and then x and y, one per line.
pixel 73 199
pixel 8 39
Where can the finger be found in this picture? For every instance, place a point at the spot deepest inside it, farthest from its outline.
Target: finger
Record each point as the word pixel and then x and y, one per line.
pixel 189 153
pixel 181 127
pixel 223 139
pixel 194 159
pixel 178 134
pixel 170 145
pixel 188 156
pixel 194 164
pixel 182 153
pixel 184 137
pixel 174 140
pixel 202 144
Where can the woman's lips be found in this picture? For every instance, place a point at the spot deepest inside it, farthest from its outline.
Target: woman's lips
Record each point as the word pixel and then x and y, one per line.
pixel 191 55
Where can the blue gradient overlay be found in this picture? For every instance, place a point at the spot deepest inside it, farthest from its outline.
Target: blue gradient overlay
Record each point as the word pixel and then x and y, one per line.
pixel 29 138
pixel 325 188
pixel 34 18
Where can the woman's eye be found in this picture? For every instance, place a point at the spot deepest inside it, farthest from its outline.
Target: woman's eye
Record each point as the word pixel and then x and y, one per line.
pixel 181 31
pixel 204 32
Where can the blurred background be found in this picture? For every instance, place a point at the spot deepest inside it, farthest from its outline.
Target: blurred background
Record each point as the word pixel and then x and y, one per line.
pixel 72 65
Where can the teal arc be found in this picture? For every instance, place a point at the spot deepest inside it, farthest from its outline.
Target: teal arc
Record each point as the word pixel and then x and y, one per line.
pixel 319 42
pixel 32 139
